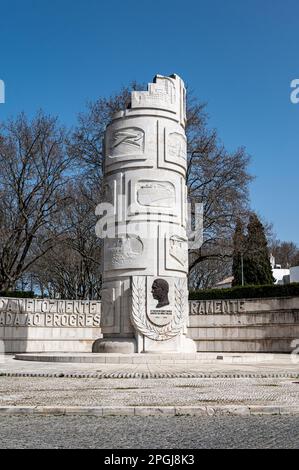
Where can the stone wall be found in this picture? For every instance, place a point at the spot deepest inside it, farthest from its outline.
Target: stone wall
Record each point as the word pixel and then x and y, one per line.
pixel 253 325
pixel 38 325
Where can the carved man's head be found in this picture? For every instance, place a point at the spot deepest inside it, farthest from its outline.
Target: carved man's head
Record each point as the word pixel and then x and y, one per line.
pixel 160 289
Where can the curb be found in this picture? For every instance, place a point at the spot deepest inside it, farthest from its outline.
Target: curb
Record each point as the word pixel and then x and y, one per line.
pixel 150 375
pixel 238 410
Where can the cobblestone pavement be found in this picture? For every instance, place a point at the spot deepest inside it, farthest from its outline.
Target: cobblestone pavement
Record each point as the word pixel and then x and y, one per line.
pixel 35 391
pixel 149 433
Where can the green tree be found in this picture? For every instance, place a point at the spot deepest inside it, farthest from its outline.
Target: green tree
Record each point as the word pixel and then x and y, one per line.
pixel 239 244
pixel 257 267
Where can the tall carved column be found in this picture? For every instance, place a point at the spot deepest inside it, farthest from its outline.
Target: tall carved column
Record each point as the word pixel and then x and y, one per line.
pixel 145 294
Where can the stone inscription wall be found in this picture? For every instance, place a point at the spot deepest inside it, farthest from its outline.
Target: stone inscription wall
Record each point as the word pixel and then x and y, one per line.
pixel 49 313
pixel 254 325
pixel 46 325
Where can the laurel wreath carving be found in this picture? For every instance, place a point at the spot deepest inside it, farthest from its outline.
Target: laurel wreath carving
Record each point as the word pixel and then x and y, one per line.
pixel 139 317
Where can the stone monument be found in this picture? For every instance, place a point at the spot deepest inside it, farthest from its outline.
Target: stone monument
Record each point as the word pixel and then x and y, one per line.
pixel 143 222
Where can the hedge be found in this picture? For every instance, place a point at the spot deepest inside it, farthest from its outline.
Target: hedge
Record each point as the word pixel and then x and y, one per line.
pixel 247 292
pixel 18 294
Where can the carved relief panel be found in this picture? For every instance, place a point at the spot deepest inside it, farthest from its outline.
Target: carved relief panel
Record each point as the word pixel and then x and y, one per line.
pixel 172 154
pixel 129 253
pixel 131 146
pixel 176 148
pixel 159 194
pixel 123 252
pixel 126 142
pixel 173 251
pixel 151 197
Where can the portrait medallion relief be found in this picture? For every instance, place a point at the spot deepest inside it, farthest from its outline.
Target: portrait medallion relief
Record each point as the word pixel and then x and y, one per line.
pixel 159 306
pixel 160 312
pixel 160 290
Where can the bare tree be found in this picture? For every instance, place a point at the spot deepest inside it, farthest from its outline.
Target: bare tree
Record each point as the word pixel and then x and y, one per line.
pixel 50 186
pixel 72 269
pixel 88 136
pixel 219 180
pixel 33 172
pixel 209 272
pixel 285 253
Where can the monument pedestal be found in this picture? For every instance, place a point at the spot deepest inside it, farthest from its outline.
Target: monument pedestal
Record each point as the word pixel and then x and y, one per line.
pixel 180 344
pixel 115 345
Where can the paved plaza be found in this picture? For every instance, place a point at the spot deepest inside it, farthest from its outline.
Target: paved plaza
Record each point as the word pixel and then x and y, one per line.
pixel 91 392
pixel 238 401
pixel 232 385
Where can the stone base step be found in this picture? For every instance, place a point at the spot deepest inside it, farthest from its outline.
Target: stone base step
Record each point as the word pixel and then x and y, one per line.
pixel 166 358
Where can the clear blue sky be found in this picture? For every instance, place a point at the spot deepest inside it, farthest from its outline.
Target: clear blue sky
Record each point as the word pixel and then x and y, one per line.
pixel 239 56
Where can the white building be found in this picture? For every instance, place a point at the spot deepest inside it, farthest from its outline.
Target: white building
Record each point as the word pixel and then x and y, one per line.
pixel 281 276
